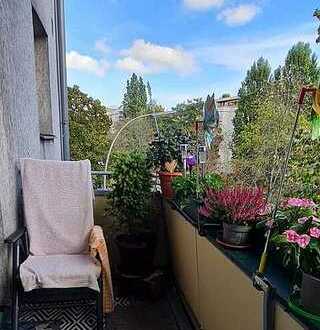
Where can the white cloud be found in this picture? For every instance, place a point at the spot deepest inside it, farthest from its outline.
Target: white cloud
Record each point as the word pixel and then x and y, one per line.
pixel 202 4
pixel 77 61
pixel 102 46
pixel 240 55
pixel 239 15
pixel 146 57
pixel 131 65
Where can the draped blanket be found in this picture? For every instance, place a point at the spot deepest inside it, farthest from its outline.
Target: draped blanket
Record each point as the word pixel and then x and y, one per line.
pixel 98 248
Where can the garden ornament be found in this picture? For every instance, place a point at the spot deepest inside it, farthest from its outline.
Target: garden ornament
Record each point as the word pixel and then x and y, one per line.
pixel 210 120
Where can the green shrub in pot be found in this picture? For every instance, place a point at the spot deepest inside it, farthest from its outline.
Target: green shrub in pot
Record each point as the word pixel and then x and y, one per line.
pixel 166 157
pixel 186 188
pixel 131 203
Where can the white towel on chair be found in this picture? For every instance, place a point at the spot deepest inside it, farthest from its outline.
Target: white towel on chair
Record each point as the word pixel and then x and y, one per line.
pixel 58 206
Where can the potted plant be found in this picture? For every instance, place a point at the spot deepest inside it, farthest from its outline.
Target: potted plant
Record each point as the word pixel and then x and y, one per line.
pixel 187 188
pixel 131 204
pixel 299 245
pixel 238 209
pixel 166 157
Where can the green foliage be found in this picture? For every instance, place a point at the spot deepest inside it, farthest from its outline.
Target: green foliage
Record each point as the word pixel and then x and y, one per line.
pixel 166 148
pixel 89 126
pixel 189 187
pixel 187 114
pixel 301 64
pixel 261 143
pixel 250 93
pixel 175 130
pixel 135 100
pixel 131 189
pixel 225 95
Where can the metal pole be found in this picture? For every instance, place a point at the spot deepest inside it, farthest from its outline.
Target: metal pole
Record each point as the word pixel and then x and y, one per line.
pixel 154 115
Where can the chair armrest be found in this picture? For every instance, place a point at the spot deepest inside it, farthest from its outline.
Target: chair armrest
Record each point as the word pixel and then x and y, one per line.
pixel 16 236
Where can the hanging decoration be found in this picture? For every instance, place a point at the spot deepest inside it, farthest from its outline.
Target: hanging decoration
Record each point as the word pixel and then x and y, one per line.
pixel 210 120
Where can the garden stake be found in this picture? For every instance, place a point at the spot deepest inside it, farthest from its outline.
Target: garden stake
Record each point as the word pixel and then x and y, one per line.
pixel 259 280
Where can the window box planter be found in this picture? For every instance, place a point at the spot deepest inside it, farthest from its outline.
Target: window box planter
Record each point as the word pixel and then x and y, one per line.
pixel 310 293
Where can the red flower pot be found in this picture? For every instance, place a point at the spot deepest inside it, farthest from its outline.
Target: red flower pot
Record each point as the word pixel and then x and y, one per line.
pixel 166 183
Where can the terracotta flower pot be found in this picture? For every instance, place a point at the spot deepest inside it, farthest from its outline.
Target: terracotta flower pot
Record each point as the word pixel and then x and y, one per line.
pixel 236 234
pixel 166 183
pixel 310 293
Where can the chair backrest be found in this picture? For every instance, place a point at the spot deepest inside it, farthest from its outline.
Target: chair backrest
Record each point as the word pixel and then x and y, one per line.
pixel 58 210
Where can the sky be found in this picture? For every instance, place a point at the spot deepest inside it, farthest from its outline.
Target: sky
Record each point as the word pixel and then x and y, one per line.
pixel 184 48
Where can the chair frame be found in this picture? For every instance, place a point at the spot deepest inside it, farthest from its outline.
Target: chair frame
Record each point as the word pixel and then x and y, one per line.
pixel 19 249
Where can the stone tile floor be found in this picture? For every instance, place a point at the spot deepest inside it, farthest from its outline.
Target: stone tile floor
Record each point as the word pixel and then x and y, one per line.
pixel 131 313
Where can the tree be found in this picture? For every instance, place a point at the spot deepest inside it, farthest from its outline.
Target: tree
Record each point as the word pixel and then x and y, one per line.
pixel 301 64
pixel 262 143
pixel 225 95
pixel 135 98
pixel 89 127
pixel 250 93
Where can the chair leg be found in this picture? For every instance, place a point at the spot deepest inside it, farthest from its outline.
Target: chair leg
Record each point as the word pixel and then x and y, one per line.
pixel 14 289
pixel 15 312
pixel 99 304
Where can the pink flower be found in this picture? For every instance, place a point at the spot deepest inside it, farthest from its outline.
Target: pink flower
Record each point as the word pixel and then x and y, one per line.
pixel 303 240
pixel 269 223
pixel 291 236
pixel 315 232
pixel 204 211
pixel 267 209
pixel 315 219
pixel 300 202
pixel 303 220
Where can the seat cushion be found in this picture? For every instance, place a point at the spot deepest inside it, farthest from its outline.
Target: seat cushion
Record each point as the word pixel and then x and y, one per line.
pixel 60 271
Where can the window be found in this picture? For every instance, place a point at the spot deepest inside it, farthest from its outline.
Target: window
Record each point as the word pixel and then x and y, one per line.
pixel 41 53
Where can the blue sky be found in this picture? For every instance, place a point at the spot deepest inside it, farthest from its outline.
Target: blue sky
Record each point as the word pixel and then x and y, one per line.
pixel 185 48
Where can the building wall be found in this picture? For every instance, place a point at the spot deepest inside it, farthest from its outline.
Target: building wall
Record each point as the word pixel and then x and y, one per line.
pixel 19 117
pixel 226 123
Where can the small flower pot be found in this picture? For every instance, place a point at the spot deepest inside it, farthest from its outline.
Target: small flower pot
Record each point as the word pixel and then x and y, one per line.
pixel 236 234
pixel 310 293
pixel 166 183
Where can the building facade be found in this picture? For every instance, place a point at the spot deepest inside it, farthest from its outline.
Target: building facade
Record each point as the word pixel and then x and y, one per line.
pixel 33 116
pixel 227 107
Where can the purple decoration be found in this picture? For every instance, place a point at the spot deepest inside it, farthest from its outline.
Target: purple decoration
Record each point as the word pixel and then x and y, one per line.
pixel 191 161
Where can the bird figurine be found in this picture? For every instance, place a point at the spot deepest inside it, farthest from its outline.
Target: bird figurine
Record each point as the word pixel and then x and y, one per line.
pixel 210 120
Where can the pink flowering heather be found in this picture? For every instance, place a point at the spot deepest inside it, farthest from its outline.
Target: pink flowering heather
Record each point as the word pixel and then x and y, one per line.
pixel 291 236
pixel 300 202
pixel 241 204
pixel 314 232
pixel 266 210
pixel 303 240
